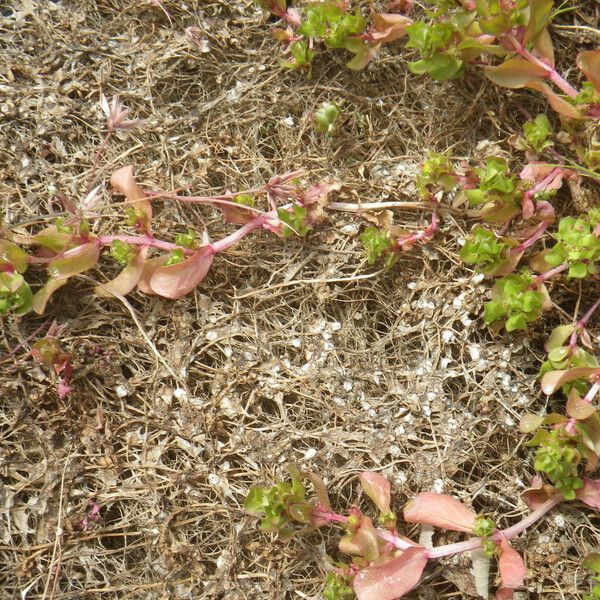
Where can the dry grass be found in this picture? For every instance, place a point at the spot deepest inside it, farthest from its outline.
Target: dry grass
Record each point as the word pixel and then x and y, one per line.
pixel 288 353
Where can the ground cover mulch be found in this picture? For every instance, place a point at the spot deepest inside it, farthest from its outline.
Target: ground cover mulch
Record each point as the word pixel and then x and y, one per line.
pixel 293 352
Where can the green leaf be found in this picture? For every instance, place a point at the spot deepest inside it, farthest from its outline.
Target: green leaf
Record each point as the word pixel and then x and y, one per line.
pixel 15 294
pixel 122 252
pixel 537 132
pixel 41 297
pixel 175 257
pixel 540 17
pixel 376 243
pixel 558 336
pixel 517 321
pixel 326 117
pixel 439 67
pixel 295 220
pixel 337 588
pixel 257 500
pixel 244 200
pixel 592 562
pixel 187 240
pixel 476 197
pixel 429 38
pixel 578 270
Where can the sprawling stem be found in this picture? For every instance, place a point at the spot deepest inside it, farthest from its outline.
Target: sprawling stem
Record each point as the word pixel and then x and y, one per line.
pixel 551 73
pixel 140 240
pixel 460 547
pixel 548 275
pixel 582 323
pixel 236 236
pixel 532 239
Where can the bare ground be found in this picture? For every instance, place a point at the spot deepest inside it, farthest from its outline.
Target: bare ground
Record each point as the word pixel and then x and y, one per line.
pixel 293 352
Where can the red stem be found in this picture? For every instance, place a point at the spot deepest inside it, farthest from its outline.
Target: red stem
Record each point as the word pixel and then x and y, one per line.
pixel 537 234
pixel 460 547
pixel 551 73
pixel 547 275
pixel 140 240
pixel 581 324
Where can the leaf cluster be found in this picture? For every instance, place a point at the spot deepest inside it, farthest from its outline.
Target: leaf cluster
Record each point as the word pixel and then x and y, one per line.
pixel 578 245
pixel 514 301
pixel 281 505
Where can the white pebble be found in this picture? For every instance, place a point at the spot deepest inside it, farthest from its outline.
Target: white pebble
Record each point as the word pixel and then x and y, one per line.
pixel 310 453
pixel 447 335
pixel 121 391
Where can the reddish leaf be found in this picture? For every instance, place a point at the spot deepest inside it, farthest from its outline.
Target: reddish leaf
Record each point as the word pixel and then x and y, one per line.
pixel 388 27
pixel 124 181
pixel 504 593
pixel 64 389
pixel 511 566
pixel 175 281
pixel 377 488
pixel 235 213
pixel 544 47
pixel 149 268
pixel 392 579
pixel 41 297
pixel 127 279
pixel 589 63
pixel 440 510
pixel 537 493
pixel 538 262
pixel 363 541
pixel 553 380
pixel 590 432
pixel 577 407
pixel 537 172
pixel 516 73
pixel 559 104
pixel 507 266
pixel 77 260
pixel 590 493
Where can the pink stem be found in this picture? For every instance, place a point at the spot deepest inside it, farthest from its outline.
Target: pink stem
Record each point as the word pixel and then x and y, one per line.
pixel 591 394
pixel 425 234
pixel 551 72
pixel 537 234
pixel 140 240
pixel 329 516
pixel 547 275
pixel 460 547
pixel 588 315
pixel 581 324
pixel 509 533
pixel 236 236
